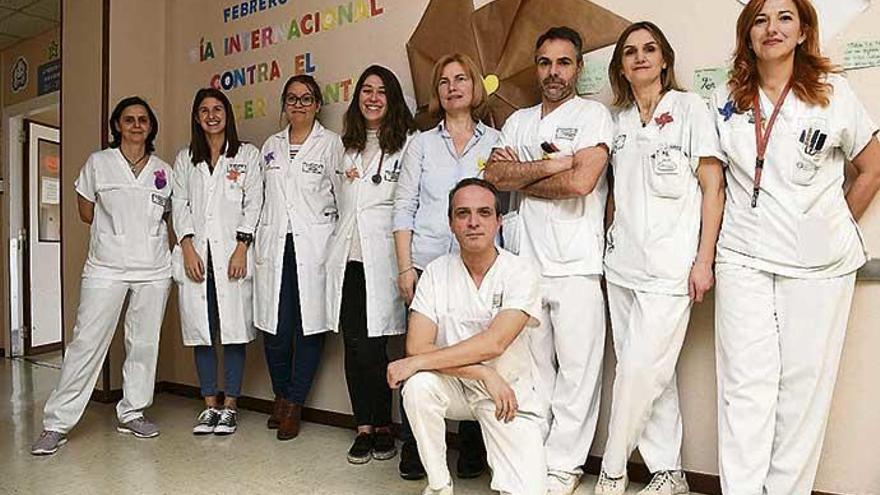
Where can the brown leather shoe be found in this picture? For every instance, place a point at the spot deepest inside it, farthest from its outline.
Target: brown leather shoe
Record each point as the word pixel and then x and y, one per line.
pixel 275 418
pixel 288 428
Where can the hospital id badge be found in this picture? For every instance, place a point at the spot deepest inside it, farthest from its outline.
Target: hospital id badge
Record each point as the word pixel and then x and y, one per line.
pixel 159 200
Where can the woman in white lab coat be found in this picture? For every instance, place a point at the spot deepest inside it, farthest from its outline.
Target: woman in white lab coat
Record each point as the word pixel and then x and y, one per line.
pixel 667 203
pixel 299 213
pixel 362 296
pixel 124 195
pixel 218 193
pixel 789 245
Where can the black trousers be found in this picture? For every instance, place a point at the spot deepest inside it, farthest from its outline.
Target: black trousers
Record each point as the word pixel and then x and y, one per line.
pixel 366 358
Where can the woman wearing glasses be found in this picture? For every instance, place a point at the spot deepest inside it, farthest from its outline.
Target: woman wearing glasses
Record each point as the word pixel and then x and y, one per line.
pixel 361 268
pixel 299 213
pixel 789 245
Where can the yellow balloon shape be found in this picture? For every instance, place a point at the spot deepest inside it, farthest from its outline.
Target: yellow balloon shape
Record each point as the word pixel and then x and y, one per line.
pixel 491 83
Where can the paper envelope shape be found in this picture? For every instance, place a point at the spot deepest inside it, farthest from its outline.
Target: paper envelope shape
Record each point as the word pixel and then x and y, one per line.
pixel 500 36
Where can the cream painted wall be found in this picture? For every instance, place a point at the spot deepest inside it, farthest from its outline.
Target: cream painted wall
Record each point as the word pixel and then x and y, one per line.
pixel 141 61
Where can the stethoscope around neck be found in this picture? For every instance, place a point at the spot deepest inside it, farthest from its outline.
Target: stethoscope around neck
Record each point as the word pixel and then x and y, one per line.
pixel 376 178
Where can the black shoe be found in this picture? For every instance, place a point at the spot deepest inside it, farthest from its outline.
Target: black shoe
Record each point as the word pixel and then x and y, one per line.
pixel 471 451
pixel 410 466
pixel 384 447
pixel 360 450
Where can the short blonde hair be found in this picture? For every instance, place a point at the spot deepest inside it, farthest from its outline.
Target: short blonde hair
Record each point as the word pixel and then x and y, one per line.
pixel 479 101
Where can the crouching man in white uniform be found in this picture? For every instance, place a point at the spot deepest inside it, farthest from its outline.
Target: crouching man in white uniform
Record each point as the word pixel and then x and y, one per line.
pixel 469 357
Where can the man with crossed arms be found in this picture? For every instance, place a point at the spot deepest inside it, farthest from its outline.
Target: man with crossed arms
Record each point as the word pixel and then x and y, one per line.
pixel 554 157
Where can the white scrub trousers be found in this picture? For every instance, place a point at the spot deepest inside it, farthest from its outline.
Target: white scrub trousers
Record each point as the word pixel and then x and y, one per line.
pixel 514 450
pixel 101 301
pixel 649 330
pixel 567 349
pixel 778 346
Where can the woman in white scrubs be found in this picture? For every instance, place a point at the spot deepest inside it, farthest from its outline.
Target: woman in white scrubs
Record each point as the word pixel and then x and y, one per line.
pixel 361 270
pixel 789 246
pixel 218 193
pixel 124 194
pixel 436 160
pixel 668 196
pixel 298 217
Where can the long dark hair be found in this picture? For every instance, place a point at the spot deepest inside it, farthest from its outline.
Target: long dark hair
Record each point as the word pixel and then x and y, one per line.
pixel 397 123
pixel 199 149
pixel 124 103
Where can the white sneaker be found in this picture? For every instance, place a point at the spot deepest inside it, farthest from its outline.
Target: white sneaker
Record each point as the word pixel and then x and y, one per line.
pixel 607 485
pixel 560 483
pixel 667 483
pixel 446 490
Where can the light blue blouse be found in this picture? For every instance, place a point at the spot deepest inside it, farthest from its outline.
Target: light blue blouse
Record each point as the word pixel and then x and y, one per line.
pixel 430 169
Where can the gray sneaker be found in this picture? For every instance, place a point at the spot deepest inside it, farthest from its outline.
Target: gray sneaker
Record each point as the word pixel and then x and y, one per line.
pixel 48 443
pixel 139 427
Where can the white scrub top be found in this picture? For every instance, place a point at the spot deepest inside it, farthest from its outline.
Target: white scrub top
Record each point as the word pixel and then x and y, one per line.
pixel 653 241
pixel 128 236
pixel 802 226
pixel 565 236
pixel 447 295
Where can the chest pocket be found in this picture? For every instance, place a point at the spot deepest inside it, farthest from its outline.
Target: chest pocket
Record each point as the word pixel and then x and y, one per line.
pixel 814 142
pixel 666 169
pixel 312 174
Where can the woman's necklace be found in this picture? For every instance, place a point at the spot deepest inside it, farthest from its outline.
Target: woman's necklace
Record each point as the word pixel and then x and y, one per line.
pixel 134 165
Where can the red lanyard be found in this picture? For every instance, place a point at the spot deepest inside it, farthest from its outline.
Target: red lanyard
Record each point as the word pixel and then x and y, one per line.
pixel 762 138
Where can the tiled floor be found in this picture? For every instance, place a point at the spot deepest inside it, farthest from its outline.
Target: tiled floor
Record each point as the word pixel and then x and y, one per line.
pixel 97 460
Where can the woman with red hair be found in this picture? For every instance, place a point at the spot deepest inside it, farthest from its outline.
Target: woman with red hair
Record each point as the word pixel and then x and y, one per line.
pixel 789 245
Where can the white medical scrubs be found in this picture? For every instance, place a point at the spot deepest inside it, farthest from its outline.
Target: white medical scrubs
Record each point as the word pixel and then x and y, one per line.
pixel 446 294
pixel 650 249
pixel 785 279
pixel 128 253
pixel 566 238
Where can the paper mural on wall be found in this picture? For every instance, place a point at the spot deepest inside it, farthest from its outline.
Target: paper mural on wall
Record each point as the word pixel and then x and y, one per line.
pixel 500 37
pixel 835 15
pixel 707 80
pixel 861 54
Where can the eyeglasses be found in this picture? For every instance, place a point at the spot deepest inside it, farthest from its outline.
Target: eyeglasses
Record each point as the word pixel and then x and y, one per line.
pixel 293 100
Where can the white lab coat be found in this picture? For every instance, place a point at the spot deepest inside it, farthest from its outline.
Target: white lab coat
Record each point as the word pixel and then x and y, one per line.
pixel 370 206
pixel 300 192
pixel 213 208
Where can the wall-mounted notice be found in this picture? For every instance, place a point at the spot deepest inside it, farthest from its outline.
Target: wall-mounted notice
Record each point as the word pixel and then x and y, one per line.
pixel 707 80
pixel 50 192
pixel 594 76
pixel 861 54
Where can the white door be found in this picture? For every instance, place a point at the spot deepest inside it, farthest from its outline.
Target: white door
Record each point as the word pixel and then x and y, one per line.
pixel 43 255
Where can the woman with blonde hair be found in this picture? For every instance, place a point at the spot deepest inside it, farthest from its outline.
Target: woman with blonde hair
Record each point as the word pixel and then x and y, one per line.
pixel 456 148
pixel 789 247
pixel 668 197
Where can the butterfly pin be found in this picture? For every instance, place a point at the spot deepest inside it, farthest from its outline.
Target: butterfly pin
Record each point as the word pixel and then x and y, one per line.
pixel 663 119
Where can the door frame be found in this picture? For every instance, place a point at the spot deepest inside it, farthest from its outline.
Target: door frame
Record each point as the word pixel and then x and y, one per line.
pixel 27 334
pixel 11 339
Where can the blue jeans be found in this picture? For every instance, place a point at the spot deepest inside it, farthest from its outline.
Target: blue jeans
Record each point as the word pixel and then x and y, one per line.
pixel 206 357
pixel 292 374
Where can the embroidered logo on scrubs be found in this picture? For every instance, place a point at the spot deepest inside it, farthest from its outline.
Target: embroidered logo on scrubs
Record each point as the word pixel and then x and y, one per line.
pixel 393 174
pixel 234 171
pixel 619 143
pixel 313 168
pixel 497 300
pixel 728 110
pixel 268 158
pixel 159 179
pixel 813 140
pixel 663 119
pixel 160 200
pixel 566 133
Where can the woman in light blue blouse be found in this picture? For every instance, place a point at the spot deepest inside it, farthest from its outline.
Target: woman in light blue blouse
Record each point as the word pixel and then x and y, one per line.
pixel 434 162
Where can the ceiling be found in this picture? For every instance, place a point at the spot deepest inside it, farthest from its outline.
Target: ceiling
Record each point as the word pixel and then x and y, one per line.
pixel 22 19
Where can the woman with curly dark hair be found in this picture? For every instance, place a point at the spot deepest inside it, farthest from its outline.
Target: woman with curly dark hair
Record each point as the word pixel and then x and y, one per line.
pixel 361 269
pixel 789 245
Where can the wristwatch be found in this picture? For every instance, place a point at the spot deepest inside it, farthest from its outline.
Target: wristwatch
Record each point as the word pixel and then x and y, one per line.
pixel 247 239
